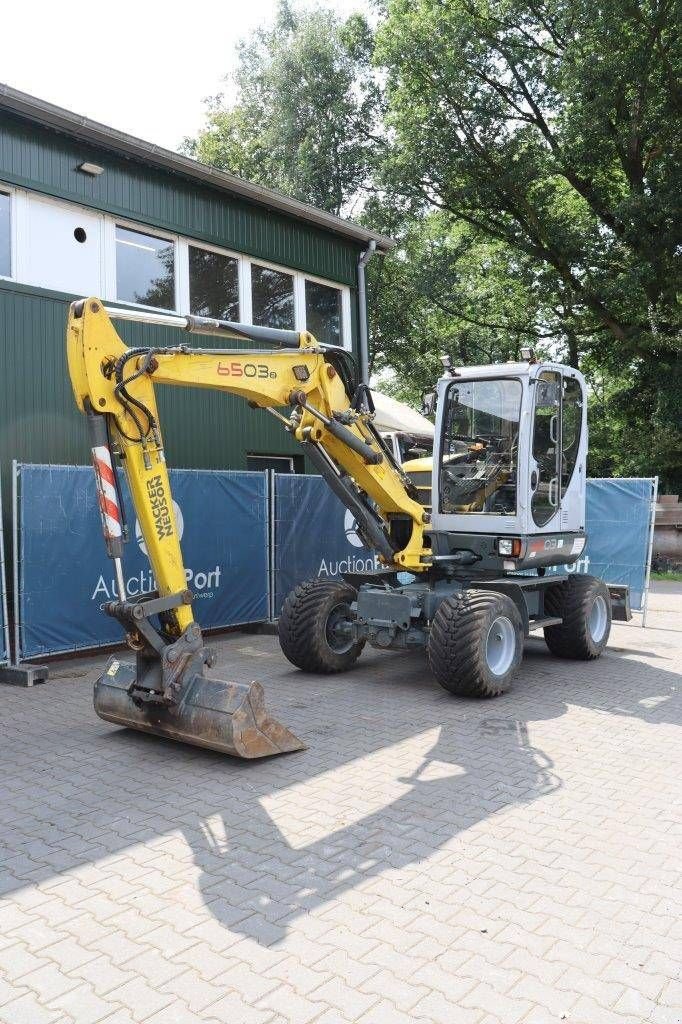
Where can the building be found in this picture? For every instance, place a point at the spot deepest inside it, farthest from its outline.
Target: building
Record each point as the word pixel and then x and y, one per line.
pixel 86 210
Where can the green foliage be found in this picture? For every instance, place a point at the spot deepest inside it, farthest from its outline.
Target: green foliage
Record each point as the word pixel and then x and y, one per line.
pixel 449 290
pixel 306 107
pixel 553 128
pixel 634 420
pixel 550 127
pixel 525 153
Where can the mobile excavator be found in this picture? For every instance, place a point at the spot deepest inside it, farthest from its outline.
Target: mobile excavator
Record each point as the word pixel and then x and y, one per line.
pixel 507 496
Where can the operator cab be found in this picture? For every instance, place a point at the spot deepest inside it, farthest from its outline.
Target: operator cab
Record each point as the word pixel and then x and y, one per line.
pixel 510 463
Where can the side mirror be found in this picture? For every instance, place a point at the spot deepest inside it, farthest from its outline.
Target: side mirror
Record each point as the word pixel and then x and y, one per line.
pixel 428 403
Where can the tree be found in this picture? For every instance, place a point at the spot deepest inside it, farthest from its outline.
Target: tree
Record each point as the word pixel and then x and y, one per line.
pixel 525 154
pixel 450 290
pixel 552 128
pixel 306 110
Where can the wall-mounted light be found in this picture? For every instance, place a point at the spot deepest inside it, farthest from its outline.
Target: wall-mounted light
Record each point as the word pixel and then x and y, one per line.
pixel 93 169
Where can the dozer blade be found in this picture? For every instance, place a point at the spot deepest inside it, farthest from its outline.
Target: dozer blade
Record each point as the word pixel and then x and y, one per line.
pixel 224 716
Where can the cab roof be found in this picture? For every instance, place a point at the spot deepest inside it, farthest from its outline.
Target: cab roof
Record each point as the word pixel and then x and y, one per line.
pixel 510 369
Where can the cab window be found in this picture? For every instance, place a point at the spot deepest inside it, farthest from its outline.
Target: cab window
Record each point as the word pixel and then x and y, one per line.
pixel 544 474
pixel 571 428
pixel 479 457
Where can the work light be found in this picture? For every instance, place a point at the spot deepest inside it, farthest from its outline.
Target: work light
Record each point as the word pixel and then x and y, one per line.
pixel 509 546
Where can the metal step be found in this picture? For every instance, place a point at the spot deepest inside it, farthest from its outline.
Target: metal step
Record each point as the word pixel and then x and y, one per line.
pixel 542 623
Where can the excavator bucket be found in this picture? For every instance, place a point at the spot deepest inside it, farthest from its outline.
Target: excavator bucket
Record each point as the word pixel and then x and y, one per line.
pixel 212 713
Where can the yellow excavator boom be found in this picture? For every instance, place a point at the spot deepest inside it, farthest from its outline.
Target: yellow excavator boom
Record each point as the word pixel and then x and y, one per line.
pixel 167 692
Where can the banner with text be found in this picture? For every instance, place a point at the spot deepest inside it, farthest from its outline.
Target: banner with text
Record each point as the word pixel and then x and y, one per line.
pixel 315 536
pixel 618 526
pixel 65 575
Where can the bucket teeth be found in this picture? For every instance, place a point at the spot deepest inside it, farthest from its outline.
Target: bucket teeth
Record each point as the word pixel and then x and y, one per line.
pixel 219 715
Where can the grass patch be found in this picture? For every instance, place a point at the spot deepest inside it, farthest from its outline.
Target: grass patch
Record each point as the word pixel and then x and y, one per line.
pixel 671 577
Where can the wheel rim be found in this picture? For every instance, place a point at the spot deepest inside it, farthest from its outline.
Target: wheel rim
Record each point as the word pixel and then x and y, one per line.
pixel 338 642
pixel 598 619
pixel 500 646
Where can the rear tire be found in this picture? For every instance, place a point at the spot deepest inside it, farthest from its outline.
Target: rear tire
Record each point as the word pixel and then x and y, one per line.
pixel 584 604
pixel 306 627
pixel 476 643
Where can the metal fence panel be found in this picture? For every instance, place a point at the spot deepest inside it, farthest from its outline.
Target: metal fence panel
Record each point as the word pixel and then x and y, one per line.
pixel 64 574
pixel 315 536
pixel 249 539
pixel 618 530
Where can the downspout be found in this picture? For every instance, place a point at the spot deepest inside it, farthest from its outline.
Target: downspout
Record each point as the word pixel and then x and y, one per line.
pixel 365 257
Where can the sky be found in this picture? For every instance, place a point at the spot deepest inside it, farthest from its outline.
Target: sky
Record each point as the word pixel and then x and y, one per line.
pixel 142 67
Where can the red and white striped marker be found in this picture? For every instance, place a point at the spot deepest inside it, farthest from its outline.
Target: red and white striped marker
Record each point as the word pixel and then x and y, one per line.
pixel 112 520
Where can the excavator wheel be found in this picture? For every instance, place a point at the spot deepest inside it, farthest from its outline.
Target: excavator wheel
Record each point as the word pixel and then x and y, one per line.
pixel 584 604
pixel 476 643
pixel 309 622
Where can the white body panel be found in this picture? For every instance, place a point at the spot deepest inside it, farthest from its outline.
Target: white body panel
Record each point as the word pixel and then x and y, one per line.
pixel 569 514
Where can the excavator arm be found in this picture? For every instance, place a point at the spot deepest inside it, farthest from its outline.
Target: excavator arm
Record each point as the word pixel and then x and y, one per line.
pixel 306 387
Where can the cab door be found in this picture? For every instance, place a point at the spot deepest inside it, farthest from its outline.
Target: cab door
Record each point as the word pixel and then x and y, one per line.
pixel 558 451
pixel 545 459
pixel 573 452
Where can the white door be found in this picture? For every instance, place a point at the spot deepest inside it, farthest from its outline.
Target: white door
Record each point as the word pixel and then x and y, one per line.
pixel 573 452
pixel 64 250
pixel 545 457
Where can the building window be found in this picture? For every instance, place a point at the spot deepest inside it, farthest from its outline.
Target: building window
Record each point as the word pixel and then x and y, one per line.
pixel 145 269
pixel 5 237
pixel 64 251
pixel 323 312
pixel 213 284
pixel 272 297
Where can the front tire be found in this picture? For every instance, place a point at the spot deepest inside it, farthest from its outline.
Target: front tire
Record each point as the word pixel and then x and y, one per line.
pixel 476 643
pixel 584 604
pixel 308 627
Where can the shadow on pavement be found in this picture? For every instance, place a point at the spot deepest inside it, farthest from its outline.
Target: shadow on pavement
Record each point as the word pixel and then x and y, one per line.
pixel 415 768
pixel 438 804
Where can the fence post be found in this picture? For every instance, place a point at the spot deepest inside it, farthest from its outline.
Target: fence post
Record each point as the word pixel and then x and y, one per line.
pixel 650 550
pixel 15 556
pixel 3 583
pixel 14 673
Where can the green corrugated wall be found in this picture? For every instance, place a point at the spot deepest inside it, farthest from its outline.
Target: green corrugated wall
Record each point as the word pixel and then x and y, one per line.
pixel 38 418
pixel 36 157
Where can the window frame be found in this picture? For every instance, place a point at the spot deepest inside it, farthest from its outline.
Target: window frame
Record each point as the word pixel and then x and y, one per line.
pixel 346 340
pixel 566 380
pixel 184 244
pixel 111 257
pixel 20 198
pixel 549 507
pixel 291 459
pixel 508 520
pixel 299 317
pixel 17 211
pixel 25 200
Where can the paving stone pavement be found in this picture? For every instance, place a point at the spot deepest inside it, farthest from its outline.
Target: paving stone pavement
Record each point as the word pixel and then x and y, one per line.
pixel 427 859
